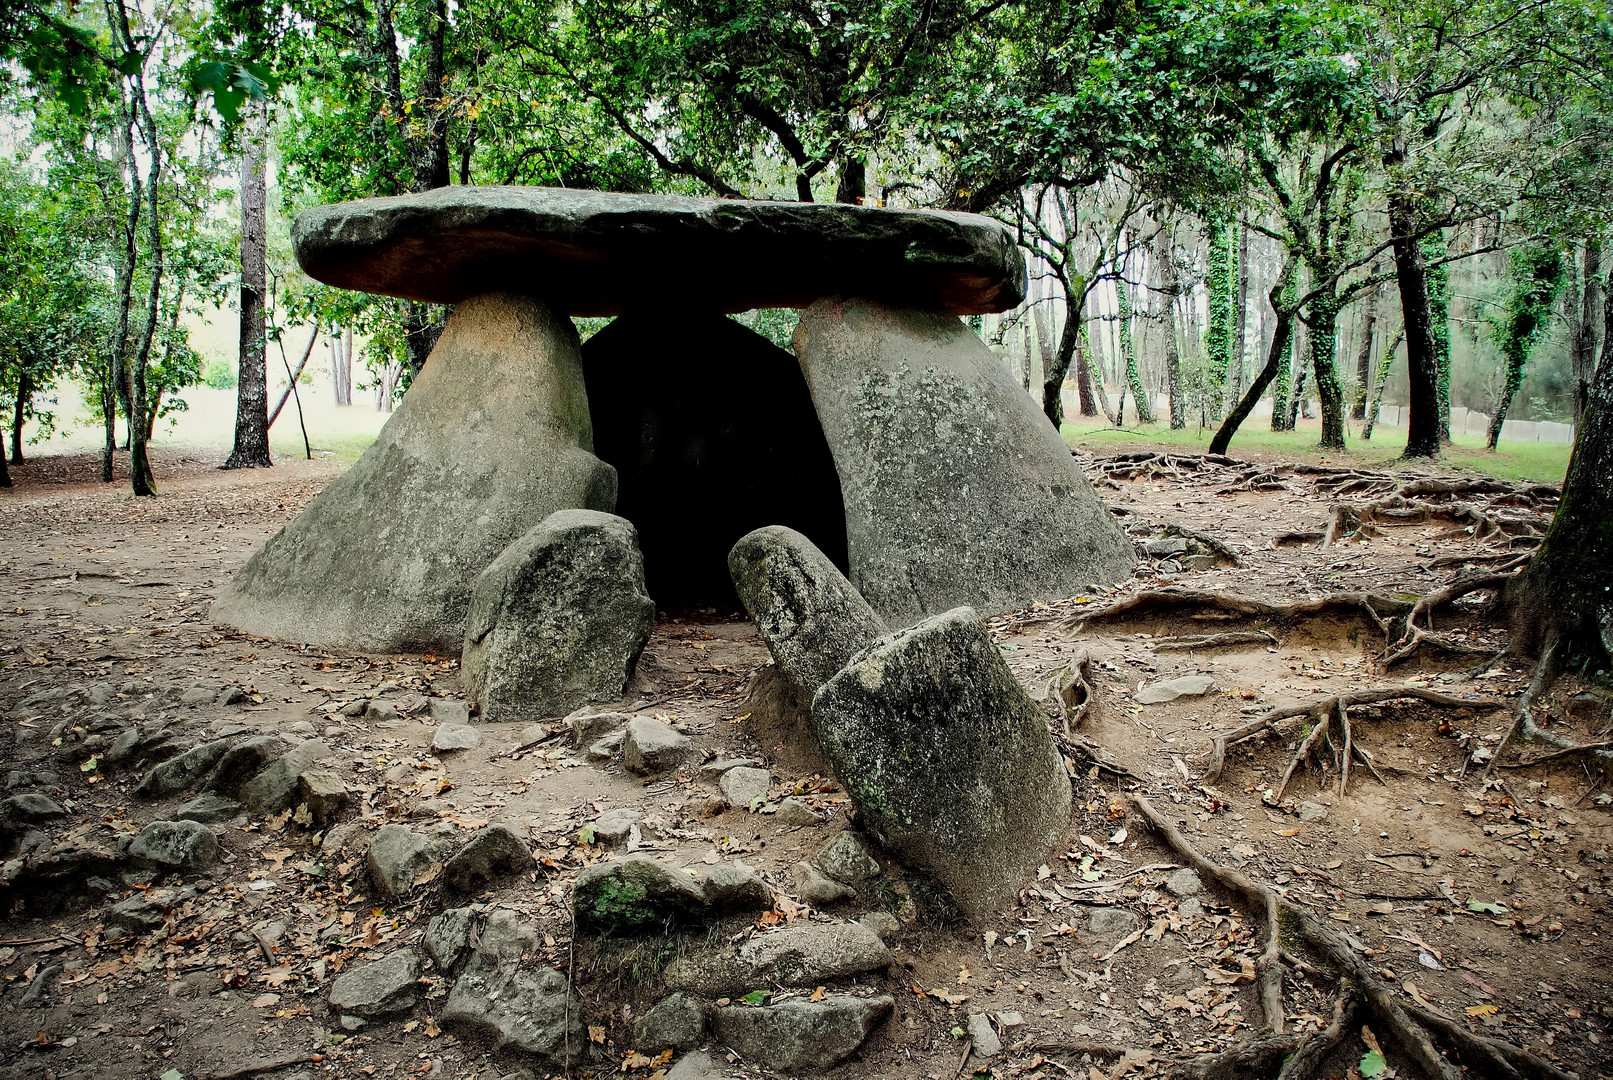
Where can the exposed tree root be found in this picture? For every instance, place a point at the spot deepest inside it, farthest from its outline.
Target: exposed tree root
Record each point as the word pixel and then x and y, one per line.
pixel 1323 712
pixel 1213 641
pixel 1374 604
pixel 1313 1048
pixel 1408 1027
pixel 1416 636
pixel 1547 670
pixel 1070 691
pixel 1221 549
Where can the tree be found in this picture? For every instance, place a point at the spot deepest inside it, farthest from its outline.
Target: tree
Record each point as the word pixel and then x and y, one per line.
pixel 251 450
pixel 1537 275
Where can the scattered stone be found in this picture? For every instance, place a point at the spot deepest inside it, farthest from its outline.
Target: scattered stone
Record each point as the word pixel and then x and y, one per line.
pixel 353 1023
pixel 676 1022
pixel 882 923
pixel 198 695
pixel 558 619
pixel 653 747
pixel 386 987
pixel 1190 908
pixel 695 1065
pixel 1185 882
pixel 588 726
pixel 210 808
pixel 949 761
pixel 32 807
pixel 451 737
pixel 242 762
pixel 233 695
pixel 343 839
pixel 179 845
pixel 1112 923
pixel 303 729
pixel 446 711
pixel 1166 546
pixel 32 778
pixel 179 773
pixel 495 851
pixel 743 786
pixel 735 887
pixel 614 827
pixel 798 1033
pixel 447 937
pixel 712 771
pixel 606 749
pixel 794 813
pixel 1155 693
pixel 809 954
pixel 1312 811
pixel 142 912
pixel 397 858
pixel 984 1036
pixel 808 614
pixel 272 790
pixel 844 858
pixel 1200 562
pixel 381 711
pixel 816 890
pixel 520 1008
pixel 634 893
pixel 323 793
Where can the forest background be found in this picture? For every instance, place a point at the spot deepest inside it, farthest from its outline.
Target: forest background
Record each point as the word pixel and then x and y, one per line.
pixel 1235 213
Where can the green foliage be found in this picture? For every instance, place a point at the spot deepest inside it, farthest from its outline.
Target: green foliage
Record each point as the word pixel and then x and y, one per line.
pixel 1221 283
pixel 220 375
pixel 1537 274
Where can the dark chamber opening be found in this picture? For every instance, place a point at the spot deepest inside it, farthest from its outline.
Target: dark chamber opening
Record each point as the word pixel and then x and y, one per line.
pixel 712 433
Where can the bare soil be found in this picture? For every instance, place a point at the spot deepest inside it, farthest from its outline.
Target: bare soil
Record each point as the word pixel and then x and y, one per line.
pixel 1486 903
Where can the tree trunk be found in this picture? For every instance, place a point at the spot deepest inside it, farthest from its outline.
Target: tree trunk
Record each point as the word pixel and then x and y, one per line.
pixel 24 390
pixel 1422 361
pixel 295 375
pixel 1173 368
pixel 1363 357
pixel 252 390
pixel 1240 317
pixel 422 326
pixel 1384 365
pixel 1026 346
pixel 5 472
pixel 1537 275
pixel 1219 284
pixel 1324 366
pixel 1439 326
pixel 431 153
pixel 113 379
pixel 1128 352
pixel 1582 346
pixel 1276 358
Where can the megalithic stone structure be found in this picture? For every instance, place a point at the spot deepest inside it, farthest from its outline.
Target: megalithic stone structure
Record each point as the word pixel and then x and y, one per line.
pixel 955 489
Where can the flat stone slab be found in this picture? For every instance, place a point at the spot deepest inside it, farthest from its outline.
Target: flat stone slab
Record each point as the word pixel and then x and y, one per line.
pixel 596 252
pixel 1170 689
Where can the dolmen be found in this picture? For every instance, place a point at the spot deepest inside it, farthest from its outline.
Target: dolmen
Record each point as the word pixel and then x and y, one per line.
pixel 892 438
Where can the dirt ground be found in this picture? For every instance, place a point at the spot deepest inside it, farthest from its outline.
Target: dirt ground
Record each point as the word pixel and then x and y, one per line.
pixel 1486 903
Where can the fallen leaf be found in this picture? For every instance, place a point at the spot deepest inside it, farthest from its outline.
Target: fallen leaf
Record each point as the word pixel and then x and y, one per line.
pixel 1481 1010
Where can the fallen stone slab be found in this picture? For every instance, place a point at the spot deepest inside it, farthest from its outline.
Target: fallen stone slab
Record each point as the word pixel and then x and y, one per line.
pixel 801 955
pixel 447 937
pixel 179 773
pixel 516 1005
pixel 495 851
pixel 986 1041
pixel 589 726
pixel 957 489
pixel 493 437
pixel 558 619
pixel 614 828
pixel 1155 693
pixel 243 761
pixel 949 761
pixel 385 987
pixel 815 888
pixel 798 1033
pixel 452 737
pixel 176 845
pixel 324 794
pixel 653 747
pixel 596 252
pixel 273 789
pixel 635 893
pixel 809 616
pixel 210 808
pixel 397 858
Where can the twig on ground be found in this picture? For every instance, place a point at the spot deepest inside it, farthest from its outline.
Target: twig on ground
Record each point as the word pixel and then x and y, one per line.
pixel 1373 603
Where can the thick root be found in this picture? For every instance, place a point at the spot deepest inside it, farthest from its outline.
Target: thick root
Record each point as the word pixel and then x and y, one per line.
pixel 1375 604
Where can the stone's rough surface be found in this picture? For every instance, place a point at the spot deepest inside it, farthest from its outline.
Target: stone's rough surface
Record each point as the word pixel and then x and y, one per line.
pixel 948 759
pixel 957 489
pixel 597 252
pixel 447 937
pixel 32 807
pixel 677 1021
pixel 450 737
pixel 735 887
pixel 634 893
pixel 986 1042
pixel 243 761
pixel 801 1034
pixel 397 857
pixel 272 790
pixel 608 747
pixel 882 923
pixel 210 808
pixel 446 711
pixel 1170 689
pixel 807 613
pixel 742 785
pixel 178 773
pixel 712 433
pixel 493 437
pixel 793 813
pixel 495 851
pixel 816 889
pixel 653 747
pixel 695 1065
pixel 846 859
pixel 383 988
pixel 519 1006
pixel 588 727
pixel 1112 923
pixel 614 827
pixel 558 619
pixel 1184 882
pixel 1311 811
pixel 803 955
pixel 323 793
pixel 179 845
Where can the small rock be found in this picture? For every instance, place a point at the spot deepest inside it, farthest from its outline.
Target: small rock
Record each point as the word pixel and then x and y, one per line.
pixel 635 893
pixel 695 1065
pixel 450 711
pixel 882 923
pixel 181 845
pixel 396 858
pixel 712 771
pixel 518 1008
pixel 210 808
pixel 845 858
pixel 31 808
pixel 198 695
pixel 742 786
pixel 495 851
pixel 676 1022
pixel 388 986
pixel 807 954
pixel 653 747
pixel 794 813
pixel 1190 908
pixel 800 1034
pixel 233 695
pixel 323 793
pixel 1200 562
pixel 272 790
pixel 984 1036
pixel 813 888
pixel 381 711
pixel 1170 689
pixel 1312 811
pixel 1112 923
pixel 352 1023
pixel 242 762
pixel 606 748
pixel 1165 546
pixel 178 773
pixel 452 737
pixel 588 726
pixel 303 729
pixel 142 912
pixel 613 827
pixel 531 735
pixel 32 778
pixel 447 937
pixel 342 839
pixel 735 887
pixel 1184 882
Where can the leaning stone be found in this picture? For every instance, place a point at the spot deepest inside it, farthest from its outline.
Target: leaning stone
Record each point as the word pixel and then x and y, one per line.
pixel 735 887
pixel 493 437
pixel 794 813
pixel 323 793
pixel 179 845
pixel 805 610
pixel 957 489
pixel 272 790
pixel 653 747
pixel 31 808
pixel 210 808
pixel 801 955
pixel 607 748
pixel 986 1042
pixel 447 937
pixel 676 1022
pixel 384 988
pixel 801 1034
pixel 242 762
pixel 588 727
pixel 397 858
pixel 451 737
pixel 1170 689
pixel 599 252
pixel 495 851
pixel 614 827
pixel 938 701
pixel 1184 882
pixel 178 773
pixel 558 619
pixel 635 893
pixel 529 1009
pixel 813 888
pixel 845 859
pixel 742 787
